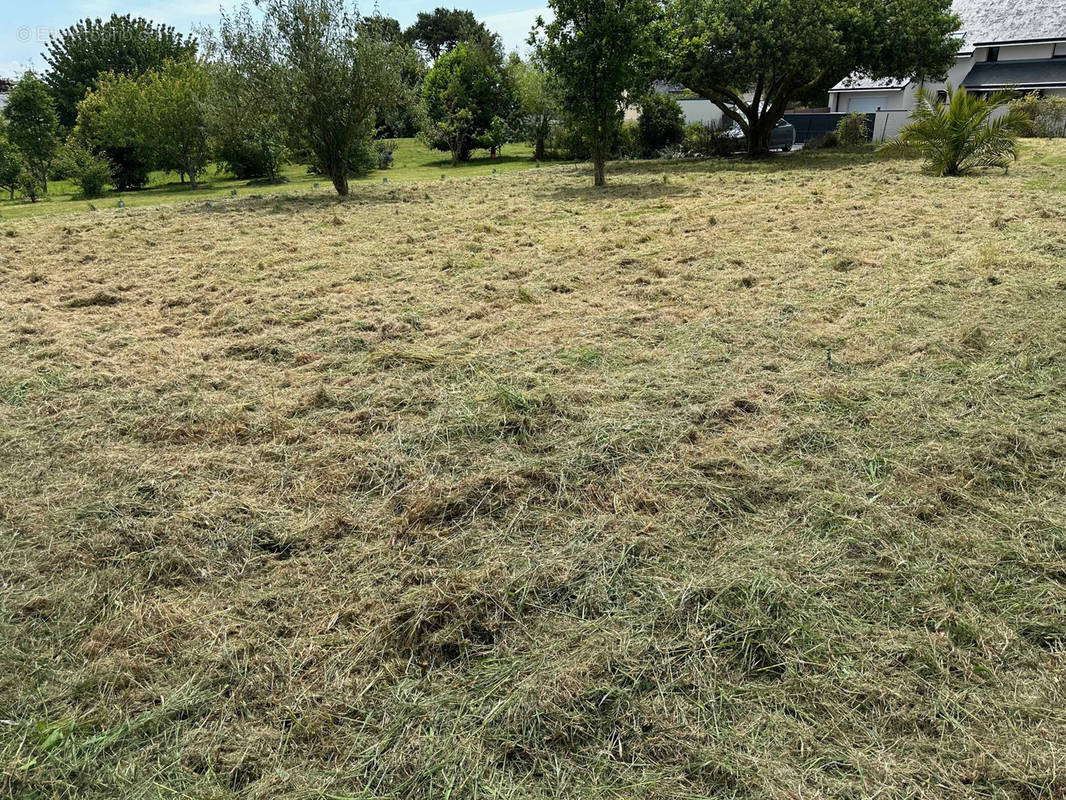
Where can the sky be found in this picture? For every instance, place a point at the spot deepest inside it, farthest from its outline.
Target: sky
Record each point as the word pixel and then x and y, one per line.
pixel 25 26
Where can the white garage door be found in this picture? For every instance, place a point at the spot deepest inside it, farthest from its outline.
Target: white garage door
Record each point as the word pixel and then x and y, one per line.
pixel 869 102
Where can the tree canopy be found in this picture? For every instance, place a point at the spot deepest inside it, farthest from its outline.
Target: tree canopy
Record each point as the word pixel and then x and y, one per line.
pixel 464 91
pixel 162 112
pixel 124 45
pixel 327 69
pixel 751 59
pixel 441 30
pixel 597 51
pixel 33 125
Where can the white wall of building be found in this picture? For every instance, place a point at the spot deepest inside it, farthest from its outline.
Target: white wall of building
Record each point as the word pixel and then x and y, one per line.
pixel 907 98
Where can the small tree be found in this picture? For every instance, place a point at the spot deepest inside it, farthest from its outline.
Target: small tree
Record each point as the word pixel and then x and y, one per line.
pixel 28 185
pixel 661 123
pixel 538 107
pixel 33 125
pixel 329 74
pixel 960 135
pixel 596 51
pixel 10 164
pixel 163 113
pixel 498 135
pixel 107 125
pixel 173 117
pixel 461 96
pixel 87 170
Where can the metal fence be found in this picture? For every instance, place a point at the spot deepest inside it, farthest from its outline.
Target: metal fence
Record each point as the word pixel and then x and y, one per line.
pixel 808 126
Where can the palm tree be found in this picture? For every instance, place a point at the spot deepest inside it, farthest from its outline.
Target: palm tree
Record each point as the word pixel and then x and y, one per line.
pixel 961 134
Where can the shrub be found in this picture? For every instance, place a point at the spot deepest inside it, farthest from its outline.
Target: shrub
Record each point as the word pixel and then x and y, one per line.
pixel 853 130
pixel 130 167
pixel 661 122
pixel 385 158
pixel 29 186
pixel 1046 115
pixel 960 135
pixel 251 158
pixel 823 142
pixel 629 143
pixel 87 170
pixel 704 139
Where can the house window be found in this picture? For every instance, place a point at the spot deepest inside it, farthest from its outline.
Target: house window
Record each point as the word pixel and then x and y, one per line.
pixel 993 54
pixel 1059 51
pixel 941 98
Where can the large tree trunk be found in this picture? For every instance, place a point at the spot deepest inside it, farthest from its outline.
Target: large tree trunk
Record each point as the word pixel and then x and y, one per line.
pixel 538 149
pixel 759 130
pixel 598 178
pixel 340 182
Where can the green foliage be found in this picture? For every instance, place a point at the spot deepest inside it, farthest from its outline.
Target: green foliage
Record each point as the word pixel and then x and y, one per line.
pixel 10 164
pixel 162 113
pixel 661 123
pixel 33 126
pixel 323 69
pixel 123 45
pixel 596 51
pixel 499 134
pixel 243 119
pixel 1047 114
pixel 827 141
pixel 251 157
pixel 780 50
pixel 704 139
pixel 538 106
pixel 628 143
pixel 440 31
pixel 29 186
pixel 87 170
pixel 960 135
pixel 466 89
pixel 853 130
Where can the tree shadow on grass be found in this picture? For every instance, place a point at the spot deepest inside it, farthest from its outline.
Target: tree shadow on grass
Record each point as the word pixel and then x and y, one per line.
pixel 286 203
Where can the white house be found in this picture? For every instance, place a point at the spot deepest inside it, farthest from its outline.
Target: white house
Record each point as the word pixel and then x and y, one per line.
pixel 1005 44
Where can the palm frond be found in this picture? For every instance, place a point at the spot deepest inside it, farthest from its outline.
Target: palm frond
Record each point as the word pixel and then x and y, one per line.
pixel 961 134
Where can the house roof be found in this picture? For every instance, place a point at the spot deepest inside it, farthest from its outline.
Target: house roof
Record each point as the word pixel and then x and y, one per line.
pixel 859 83
pixel 987 22
pixel 1037 74
pixel 1005 21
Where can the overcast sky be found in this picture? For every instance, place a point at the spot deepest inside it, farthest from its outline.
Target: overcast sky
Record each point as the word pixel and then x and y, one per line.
pixel 27 25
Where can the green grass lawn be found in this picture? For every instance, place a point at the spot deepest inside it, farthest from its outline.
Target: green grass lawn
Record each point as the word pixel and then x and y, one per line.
pixel 413 162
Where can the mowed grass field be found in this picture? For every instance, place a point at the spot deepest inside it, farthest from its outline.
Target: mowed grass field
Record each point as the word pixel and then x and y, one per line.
pixel 413 161
pixel 729 480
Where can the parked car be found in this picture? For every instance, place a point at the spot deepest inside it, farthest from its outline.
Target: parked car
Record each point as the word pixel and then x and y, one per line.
pixel 783 137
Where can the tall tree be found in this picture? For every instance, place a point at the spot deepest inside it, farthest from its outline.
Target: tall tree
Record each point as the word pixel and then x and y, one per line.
pixel 597 52
pixel 462 94
pixel 328 71
pixel 125 45
pixel 33 125
pixel 752 58
pixel 439 31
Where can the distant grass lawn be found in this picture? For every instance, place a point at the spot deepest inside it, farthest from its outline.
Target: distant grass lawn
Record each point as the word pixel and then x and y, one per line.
pixel 413 162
